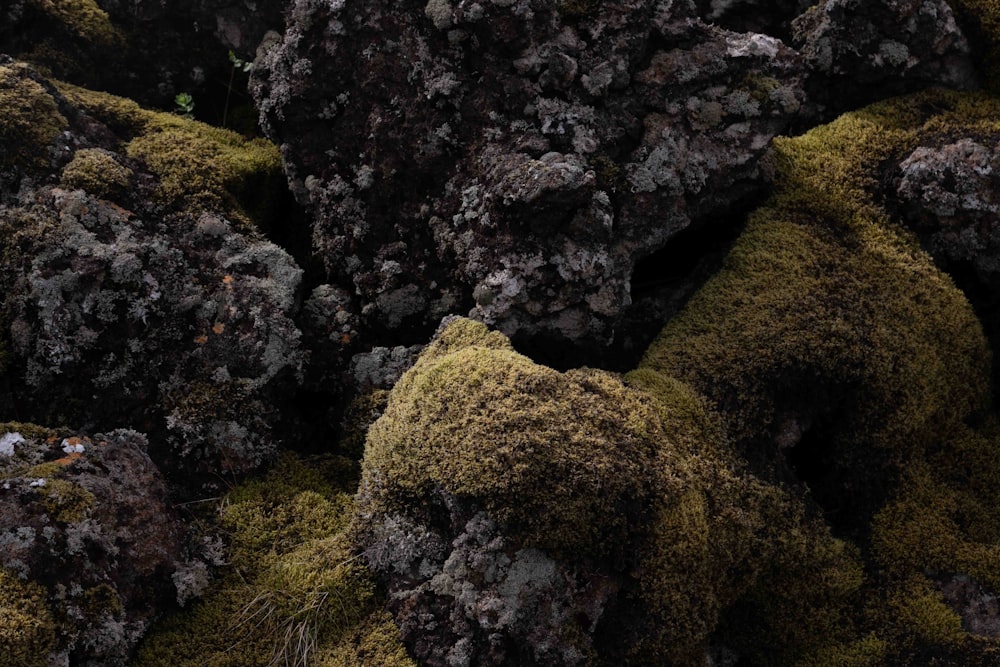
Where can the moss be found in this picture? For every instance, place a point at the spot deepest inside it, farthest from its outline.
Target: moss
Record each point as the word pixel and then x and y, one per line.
pixel 27 630
pixel 83 18
pixel 294 587
pixel 65 501
pixel 558 457
pixel 827 310
pixel 97 172
pixel 823 299
pixel 31 119
pixel 375 642
pixel 198 166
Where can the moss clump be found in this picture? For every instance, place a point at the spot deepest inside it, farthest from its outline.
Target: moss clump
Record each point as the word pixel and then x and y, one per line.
pixel 97 172
pixel 825 302
pixel 84 18
pixel 199 167
pixel 27 630
pixel 31 119
pixel 294 591
pixel 563 459
pixel 65 501
pixel 827 315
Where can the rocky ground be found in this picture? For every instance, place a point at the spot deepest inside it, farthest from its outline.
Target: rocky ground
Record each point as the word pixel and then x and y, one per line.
pixel 499 332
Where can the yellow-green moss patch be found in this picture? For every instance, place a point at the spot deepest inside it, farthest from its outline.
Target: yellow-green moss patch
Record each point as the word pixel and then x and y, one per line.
pixel 97 172
pixel 83 18
pixel 823 285
pixel 294 590
pixel 557 457
pixel 27 630
pixel 31 119
pixel 198 166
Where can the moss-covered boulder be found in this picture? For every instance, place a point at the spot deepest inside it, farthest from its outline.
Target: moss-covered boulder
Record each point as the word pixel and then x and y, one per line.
pixel 519 515
pixel 132 260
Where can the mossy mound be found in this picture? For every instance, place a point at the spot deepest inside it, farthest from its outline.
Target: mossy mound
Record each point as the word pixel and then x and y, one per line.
pixel 843 362
pixel 575 450
pixel 99 173
pixel 630 483
pixel 198 167
pixel 31 120
pixel 293 592
pixel 826 312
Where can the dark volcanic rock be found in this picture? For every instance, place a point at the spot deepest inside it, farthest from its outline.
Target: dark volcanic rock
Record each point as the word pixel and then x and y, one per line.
pixel 859 52
pixel 516 160
pixel 87 519
pixel 137 291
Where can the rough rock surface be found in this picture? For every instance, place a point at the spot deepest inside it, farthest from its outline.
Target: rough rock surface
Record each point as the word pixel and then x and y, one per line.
pixel 138 293
pixel 88 520
pixel 515 160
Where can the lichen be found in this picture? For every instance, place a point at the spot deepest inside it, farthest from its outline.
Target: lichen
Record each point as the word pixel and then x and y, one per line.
pixel 27 628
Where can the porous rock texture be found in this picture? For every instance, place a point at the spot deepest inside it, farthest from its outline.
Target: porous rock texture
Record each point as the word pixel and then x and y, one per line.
pixel 137 291
pixel 87 521
pixel 516 160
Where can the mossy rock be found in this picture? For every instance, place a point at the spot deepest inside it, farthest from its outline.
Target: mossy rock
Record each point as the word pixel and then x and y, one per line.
pixel 565 460
pixel 27 629
pixel 199 167
pixel 825 307
pixel 99 173
pixel 31 119
pixel 294 592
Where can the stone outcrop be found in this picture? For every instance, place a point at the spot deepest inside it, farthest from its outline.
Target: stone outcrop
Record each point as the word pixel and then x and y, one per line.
pixel 86 521
pixel 137 289
pixel 516 160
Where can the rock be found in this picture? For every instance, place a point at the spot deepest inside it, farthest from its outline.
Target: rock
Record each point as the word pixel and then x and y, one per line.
pixel 519 172
pixel 860 52
pixel 87 542
pixel 138 291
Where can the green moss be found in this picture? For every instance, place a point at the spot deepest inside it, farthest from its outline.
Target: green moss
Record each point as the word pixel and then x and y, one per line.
pixel 827 310
pixel 199 167
pixel 375 642
pixel 65 501
pixel 558 457
pixel 83 18
pixel 294 587
pixel 97 172
pixel 27 630
pixel 31 119
pixel 825 294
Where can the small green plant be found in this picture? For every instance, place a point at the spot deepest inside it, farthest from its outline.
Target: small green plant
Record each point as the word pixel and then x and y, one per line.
pixel 185 105
pixel 238 65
